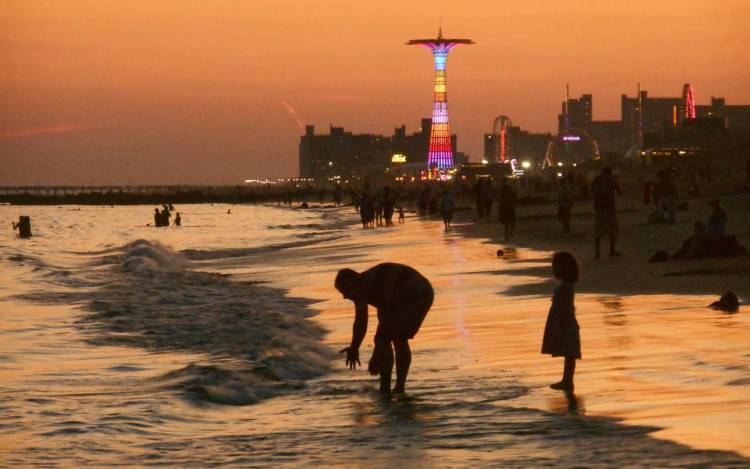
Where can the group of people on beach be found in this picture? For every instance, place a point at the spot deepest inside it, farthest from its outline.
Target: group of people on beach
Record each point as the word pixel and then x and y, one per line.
pixel 161 218
pixel 377 208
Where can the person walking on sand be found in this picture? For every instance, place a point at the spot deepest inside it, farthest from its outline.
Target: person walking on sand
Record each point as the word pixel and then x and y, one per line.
pixel 561 332
pixel 447 205
pixel 604 187
pixel 508 208
pixel 402 297
pixel 565 201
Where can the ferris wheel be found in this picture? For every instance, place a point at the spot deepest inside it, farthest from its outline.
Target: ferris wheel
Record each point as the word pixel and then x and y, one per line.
pixel 500 131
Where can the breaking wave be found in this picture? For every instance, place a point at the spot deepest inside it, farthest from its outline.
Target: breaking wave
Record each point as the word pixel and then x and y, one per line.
pixel 256 341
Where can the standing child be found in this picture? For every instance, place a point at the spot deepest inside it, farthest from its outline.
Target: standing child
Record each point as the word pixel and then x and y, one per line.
pixel 561 333
pixel 401 218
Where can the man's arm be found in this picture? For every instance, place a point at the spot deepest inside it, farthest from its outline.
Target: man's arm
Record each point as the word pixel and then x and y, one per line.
pixel 358 334
pixel 360 324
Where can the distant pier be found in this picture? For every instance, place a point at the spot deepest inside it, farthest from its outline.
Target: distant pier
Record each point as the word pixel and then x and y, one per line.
pixel 139 195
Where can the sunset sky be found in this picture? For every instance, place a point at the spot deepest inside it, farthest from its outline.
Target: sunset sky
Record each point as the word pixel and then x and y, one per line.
pixel 179 91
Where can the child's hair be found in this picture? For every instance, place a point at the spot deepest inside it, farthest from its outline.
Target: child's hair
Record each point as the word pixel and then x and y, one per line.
pixel 565 266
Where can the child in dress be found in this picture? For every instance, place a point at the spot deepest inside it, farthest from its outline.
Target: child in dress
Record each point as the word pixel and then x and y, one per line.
pixel 561 333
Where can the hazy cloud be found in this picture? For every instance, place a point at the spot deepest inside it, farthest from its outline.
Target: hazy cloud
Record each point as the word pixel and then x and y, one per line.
pixel 28 132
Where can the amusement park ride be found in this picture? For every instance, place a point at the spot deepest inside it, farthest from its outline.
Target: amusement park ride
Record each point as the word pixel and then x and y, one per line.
pixel 440 154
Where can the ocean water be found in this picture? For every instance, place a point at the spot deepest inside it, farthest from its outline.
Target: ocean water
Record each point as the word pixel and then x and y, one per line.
pixel 214 344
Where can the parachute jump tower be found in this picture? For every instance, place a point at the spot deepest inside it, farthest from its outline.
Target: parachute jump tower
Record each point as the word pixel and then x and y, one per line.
pixel 440 154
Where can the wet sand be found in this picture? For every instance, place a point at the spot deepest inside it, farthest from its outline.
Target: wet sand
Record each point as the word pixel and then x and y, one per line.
pixel 654 355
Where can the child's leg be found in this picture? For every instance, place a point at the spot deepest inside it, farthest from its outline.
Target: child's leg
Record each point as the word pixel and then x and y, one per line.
pixel 569 371
pixel 567 380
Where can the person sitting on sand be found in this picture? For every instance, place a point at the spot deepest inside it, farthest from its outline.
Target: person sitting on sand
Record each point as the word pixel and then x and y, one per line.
pixel 717 223
pixel 696 246
pixel 710 240
pixel 402 297
pixel 561 332
pixel 177 220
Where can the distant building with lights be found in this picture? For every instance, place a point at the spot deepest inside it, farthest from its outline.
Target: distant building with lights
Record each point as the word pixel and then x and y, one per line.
pixel 644 119
pixel 344 155
pixel 735 117
pixel 520 145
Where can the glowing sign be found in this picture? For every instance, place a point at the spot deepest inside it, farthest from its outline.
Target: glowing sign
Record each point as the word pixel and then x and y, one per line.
pixel 571 138
pixel 398 158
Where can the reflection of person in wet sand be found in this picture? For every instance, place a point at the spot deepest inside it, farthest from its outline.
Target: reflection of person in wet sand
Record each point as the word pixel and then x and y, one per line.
pixel 561 333
pixel 402 297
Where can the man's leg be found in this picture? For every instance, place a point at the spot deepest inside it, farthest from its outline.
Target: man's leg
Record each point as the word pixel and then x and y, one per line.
pixel 385 357
pixel 403 361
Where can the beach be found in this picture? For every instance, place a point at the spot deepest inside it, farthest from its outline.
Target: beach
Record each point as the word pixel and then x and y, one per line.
pixel 215 344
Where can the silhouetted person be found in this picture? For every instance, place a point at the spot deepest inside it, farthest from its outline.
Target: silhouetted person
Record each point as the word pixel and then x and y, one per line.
pixel 447 205
pixel 488 194
pixel 401 217
pixel 697 246
pixel 157 217
pixel 561 333
pixel 402 297
pixel 717 223
pixel 177 220
pixel 508 208
pixel 565 202
pixel 23 226
pixel 229 211
pixel 165 215
pixel 604 187
pixel 665 196
pixel 389 203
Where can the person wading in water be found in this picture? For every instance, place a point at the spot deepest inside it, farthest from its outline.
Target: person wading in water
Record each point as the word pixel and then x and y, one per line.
pixel 402 297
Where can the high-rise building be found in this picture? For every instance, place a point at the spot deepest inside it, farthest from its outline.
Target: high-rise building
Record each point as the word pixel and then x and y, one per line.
pixel 576 114
pixel 440 153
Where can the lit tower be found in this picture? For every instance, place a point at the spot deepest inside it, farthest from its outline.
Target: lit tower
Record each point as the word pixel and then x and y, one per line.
pixel 440 154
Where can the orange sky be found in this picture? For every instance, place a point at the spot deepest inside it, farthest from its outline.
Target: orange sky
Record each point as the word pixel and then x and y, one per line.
pixel 170 91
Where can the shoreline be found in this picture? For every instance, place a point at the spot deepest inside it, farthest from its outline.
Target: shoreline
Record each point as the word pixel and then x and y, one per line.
pixel 538 228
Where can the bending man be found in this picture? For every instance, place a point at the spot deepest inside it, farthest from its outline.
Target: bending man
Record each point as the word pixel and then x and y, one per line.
pixel 403 297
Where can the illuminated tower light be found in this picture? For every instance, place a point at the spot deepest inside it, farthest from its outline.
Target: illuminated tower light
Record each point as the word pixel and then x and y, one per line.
pixel 440 152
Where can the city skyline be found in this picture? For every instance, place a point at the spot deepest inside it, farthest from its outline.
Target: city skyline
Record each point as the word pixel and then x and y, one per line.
pixel 191 93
